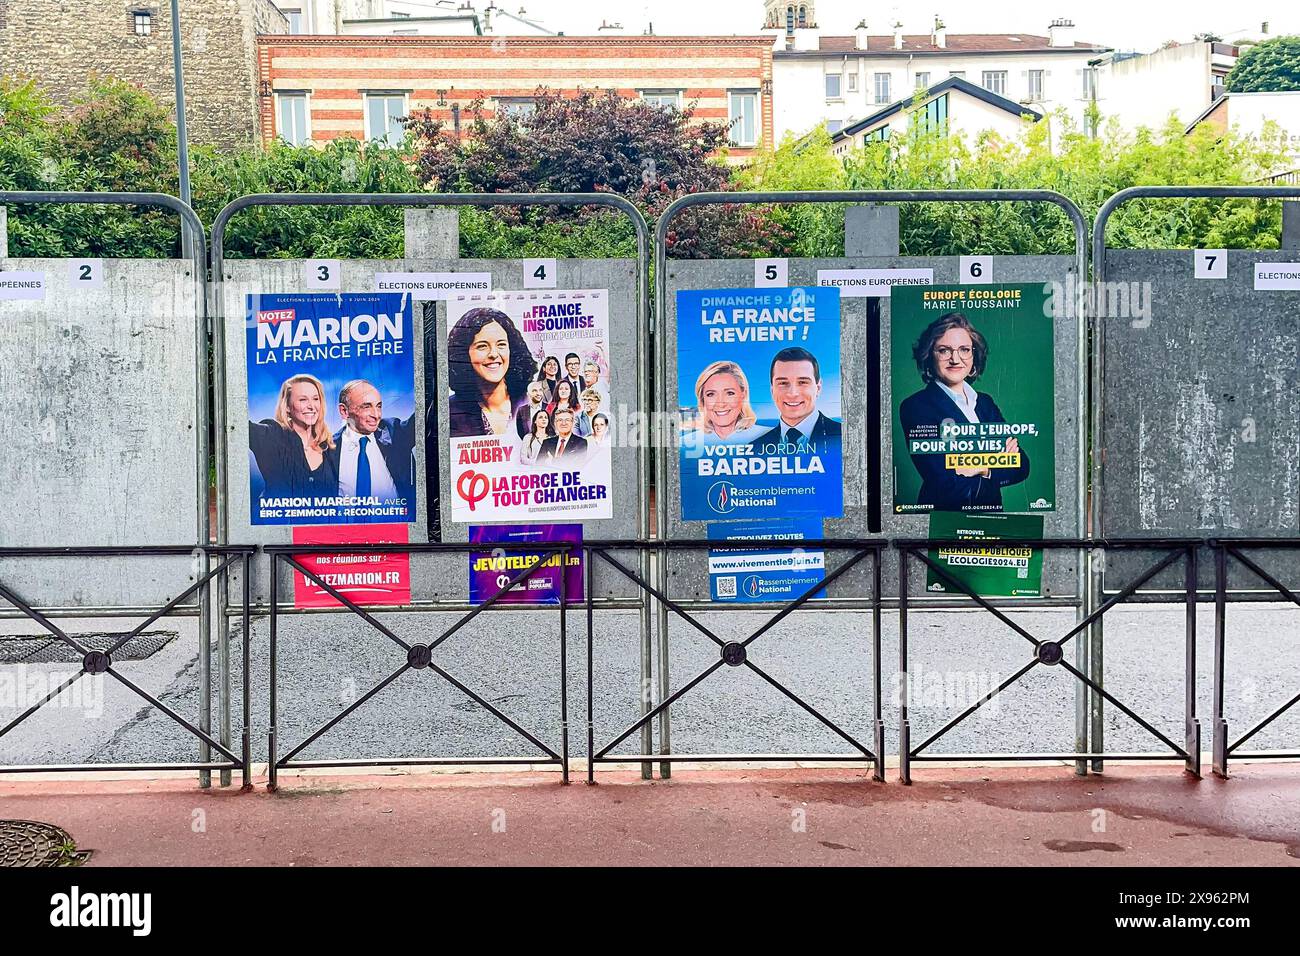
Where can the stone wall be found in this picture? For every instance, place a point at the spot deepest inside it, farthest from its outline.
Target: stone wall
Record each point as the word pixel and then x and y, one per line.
pixel 60 43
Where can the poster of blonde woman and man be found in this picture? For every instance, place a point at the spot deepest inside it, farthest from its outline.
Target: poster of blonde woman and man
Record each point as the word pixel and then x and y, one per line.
pixel 529 406
pixel 761 452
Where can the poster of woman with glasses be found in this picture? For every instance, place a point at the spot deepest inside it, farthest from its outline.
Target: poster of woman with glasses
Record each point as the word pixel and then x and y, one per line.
pixel 973 394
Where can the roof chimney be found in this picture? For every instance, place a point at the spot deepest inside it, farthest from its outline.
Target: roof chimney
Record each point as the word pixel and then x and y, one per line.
pixel 1060 33
pixel 898 35
pixel 860 35
pixel 940 36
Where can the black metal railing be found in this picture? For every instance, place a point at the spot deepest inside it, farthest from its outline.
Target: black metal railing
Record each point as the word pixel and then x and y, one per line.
pixel 1051 652
pixel 736 653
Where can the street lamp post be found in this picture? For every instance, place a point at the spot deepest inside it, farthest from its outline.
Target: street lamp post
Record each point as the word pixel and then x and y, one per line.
pixel 182 141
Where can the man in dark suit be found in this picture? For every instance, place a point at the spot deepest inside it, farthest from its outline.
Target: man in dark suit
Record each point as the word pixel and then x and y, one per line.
pixel 965 489
pixel 375 456
pixel 564 443
pixel 573 374
pixel 796 382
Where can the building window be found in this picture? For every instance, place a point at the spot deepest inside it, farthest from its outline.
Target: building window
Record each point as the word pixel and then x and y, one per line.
pixel 1088 91
pixel 143 21
pixel 667 99
pixel 853 82
pixel 882 88
pixel 958 74
pixel 834 126
pixel 295 20
pixel 832 86
pixel 933 117
pixel 923 81
pixel 1035 85
pixel 789 19
pixel 519 107
pixel 743 114
pixel 384 115
pixel 877 135
pixel 803 17
pixel 995 81
pixel 293 117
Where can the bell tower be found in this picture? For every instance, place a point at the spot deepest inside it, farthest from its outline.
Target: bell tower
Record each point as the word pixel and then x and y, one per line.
pixel 789 15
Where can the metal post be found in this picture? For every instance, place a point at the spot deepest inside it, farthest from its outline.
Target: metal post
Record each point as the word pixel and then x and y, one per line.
pixel 564 666
pixel 247 740
pixel 1219 759
pixel 178 73
pixel 904 687
pixel 591 741
pixel 272 777
pixel 878 739
pixel 1193 726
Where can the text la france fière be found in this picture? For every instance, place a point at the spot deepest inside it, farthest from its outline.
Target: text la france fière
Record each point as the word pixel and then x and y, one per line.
pixel 281 338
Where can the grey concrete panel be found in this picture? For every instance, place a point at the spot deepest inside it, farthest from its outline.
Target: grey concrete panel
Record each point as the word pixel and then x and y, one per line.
pixel 871 231
pixel 688 572
pixel 436 578
pixel 1201 407
pixel 103 381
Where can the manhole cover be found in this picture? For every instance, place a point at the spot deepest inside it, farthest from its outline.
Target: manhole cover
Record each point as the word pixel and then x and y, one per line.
pixel 28 843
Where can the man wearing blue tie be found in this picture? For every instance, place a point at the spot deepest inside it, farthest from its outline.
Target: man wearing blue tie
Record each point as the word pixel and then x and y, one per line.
pixel 376 455
pixel 796 381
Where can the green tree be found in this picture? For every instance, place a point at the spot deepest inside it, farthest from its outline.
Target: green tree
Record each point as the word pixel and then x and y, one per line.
pixel 1267 67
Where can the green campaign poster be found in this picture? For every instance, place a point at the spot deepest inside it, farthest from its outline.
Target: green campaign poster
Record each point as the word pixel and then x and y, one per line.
pixel 989 571
pixel 973 403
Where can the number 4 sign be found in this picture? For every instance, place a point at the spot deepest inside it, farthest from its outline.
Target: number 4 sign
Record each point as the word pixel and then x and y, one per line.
pixel 1210 263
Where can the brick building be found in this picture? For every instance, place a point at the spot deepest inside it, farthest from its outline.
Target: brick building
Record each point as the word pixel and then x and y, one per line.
pixel 317 88
pixel 60 43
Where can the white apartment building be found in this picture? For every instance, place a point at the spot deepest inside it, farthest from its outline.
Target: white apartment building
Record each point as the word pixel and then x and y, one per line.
pixel 838 80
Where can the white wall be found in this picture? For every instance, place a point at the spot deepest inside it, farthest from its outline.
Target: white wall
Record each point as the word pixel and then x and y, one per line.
pixel 798 84
pixel 1146 90
pixel 1248 112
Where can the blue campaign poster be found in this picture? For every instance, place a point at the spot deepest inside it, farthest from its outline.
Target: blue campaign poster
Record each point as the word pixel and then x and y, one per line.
pixel 758 373
pixel 771 575
pixel 332 423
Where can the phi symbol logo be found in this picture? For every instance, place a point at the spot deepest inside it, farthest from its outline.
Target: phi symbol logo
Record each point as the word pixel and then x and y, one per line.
pixel 722 497
pixel 472 487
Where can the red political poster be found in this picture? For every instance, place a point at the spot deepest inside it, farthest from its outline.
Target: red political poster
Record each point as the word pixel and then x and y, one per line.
pixel 361 578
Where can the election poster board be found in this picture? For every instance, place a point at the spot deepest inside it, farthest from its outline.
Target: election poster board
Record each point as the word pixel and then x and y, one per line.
pixel 988 570
pixel 972 381
pixel 758 380
pixel 529 406
pixel 332 422
pixel 364 579
pixel 490 571
pixel 776 574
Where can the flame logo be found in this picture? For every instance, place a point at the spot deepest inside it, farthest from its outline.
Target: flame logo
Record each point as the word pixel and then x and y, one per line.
pixel 720 497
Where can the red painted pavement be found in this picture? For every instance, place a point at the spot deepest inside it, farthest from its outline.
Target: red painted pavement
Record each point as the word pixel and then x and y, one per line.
pixel 1132 815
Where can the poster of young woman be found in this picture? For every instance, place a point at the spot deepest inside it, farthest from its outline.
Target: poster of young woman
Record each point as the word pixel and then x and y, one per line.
pixel 332 423
pixel 972 381
pixel 529 406
pixel 758 388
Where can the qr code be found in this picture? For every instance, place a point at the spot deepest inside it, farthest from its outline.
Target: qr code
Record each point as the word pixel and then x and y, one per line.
pixel 727 586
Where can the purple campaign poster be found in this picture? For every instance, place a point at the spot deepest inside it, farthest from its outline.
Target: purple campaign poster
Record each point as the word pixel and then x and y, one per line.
pixel 490 571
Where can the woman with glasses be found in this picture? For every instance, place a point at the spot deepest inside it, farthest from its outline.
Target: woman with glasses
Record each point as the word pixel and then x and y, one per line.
pixel 950 354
